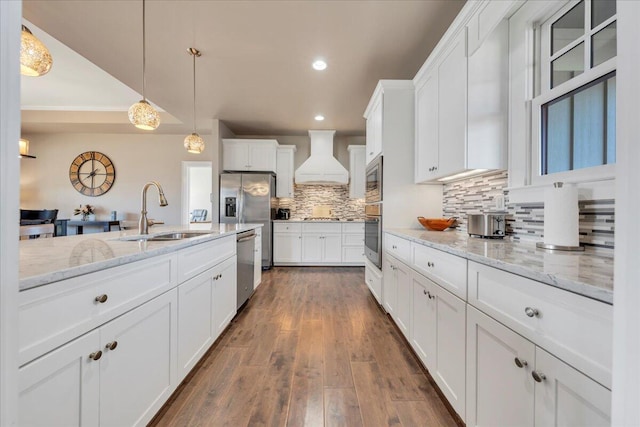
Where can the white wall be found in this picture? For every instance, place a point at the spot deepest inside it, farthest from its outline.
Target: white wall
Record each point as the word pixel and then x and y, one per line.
pixel 138 158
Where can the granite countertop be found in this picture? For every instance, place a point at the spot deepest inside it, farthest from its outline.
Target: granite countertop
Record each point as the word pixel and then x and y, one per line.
pixel 44 261
pixel 586 273
pixel 318 220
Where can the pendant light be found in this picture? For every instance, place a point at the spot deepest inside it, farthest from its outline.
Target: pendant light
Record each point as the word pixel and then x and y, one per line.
pixel 142 114
pixel 23 146
pixel 35 59
pixel 194 142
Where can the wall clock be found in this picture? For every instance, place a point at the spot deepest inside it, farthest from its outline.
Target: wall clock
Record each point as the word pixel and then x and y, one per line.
pixel 92 173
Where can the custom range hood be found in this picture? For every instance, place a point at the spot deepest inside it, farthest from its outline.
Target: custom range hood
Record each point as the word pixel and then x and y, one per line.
pixel 321 167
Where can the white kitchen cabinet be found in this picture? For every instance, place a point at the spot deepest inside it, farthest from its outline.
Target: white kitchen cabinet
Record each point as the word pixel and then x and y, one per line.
pixel 566 397
pixel 287 243
pixel 321 248
pixel 284 170
pixel 374 129
pixel 249 155
pixel 257 259
pixel 499 392
pixel 140 373
pixel 62 386
pixel 119 374
pixel 397 292
pixel 438 336
pixel 462 108
pixel 447 270
pixel 225 296
pixel 488 16
pixel 357 173
pixel 511 381
pixel 373 279
pixel 353 243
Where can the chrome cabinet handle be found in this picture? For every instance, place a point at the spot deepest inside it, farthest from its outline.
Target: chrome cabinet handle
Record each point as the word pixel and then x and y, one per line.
pixel 520 363
pixel 111 345
pixel 96 355
pixel 538 376
pixel 424 291
pixel 431 296
pixel 101 298
pixel 531 312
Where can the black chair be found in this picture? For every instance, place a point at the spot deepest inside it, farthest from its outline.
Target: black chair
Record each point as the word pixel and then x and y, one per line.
pixel 43 216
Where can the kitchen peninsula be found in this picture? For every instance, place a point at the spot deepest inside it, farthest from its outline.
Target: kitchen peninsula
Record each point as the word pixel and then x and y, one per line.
pixel 93 307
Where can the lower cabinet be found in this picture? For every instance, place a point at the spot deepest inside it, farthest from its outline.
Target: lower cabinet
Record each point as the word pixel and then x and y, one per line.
pixel 118 374
pixel 287 248
pixel 511 381
pixel 224 295
pixel 438 337
pixel 257 259
pixel 373 279
pixel 321 248
pixel 397 292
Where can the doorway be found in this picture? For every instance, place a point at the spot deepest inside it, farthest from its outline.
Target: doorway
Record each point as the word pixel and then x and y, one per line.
pixel 196 192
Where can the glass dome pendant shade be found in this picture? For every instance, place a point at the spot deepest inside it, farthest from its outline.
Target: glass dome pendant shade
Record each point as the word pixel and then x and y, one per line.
pixel 35 59
pixel 141 114
pixel 194 142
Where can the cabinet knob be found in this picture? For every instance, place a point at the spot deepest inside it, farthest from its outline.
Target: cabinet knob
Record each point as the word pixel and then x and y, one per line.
pixel 424 291
pixel 520 363
pixel 96 355
pixel 111 345
pixel 531 312
pixel 538 376
pixel 102 298
pixel 371 153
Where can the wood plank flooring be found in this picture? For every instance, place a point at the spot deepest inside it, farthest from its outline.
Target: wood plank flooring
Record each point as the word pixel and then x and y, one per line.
pixel 311 348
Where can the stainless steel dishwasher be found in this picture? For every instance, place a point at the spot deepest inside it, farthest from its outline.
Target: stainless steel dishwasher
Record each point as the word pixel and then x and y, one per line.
pixel 245 252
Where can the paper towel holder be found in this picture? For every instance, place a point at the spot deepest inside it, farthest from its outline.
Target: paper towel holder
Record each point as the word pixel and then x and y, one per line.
pixel 551 247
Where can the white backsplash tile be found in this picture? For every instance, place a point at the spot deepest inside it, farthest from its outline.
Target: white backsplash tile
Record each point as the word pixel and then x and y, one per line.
pixel 336 197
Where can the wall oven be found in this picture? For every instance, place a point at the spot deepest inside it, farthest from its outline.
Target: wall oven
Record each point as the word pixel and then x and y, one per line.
pixel 373 233
pixel 373 191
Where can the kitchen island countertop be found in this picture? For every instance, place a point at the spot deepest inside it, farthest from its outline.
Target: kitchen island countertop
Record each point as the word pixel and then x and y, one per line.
pixel 587 273
pixel 44 261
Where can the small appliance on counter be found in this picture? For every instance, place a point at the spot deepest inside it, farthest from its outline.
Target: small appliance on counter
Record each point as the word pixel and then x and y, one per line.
pixel 283 213
pixel 488 225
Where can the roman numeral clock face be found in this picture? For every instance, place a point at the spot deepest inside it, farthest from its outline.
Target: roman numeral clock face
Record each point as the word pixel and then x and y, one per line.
pixel 92 173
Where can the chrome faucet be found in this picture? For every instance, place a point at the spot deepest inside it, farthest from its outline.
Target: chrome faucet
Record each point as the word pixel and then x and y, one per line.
pixel 143 225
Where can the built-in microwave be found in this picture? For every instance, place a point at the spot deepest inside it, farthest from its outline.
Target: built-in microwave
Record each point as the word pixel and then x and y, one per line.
pixel 373 192
pixel 373 233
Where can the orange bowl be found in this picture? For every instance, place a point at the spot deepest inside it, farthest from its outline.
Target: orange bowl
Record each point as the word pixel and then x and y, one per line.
pixel 437 224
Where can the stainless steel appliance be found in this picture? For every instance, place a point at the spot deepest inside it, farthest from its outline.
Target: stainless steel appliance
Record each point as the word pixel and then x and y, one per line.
pixel 283 213
pixel 486 225
pixel 373 189
pixel 245 251
pixel 373 233
pixel 250 198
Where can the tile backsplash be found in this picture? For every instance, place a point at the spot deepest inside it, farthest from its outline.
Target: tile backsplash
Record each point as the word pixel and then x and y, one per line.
pixel 335 196
pixel 525 221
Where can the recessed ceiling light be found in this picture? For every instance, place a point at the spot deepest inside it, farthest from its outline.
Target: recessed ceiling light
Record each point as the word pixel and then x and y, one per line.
pixel 319 117
pixel 319 65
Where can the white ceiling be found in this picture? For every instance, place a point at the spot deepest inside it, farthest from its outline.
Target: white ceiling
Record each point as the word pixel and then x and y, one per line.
pixel 255 71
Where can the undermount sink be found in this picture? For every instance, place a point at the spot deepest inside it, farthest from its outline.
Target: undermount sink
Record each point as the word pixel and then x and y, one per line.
pixel 168 236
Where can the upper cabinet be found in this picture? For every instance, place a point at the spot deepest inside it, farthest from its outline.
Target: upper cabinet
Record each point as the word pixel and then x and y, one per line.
pixel 249 155
pixel 462 107
pixel 284 170
pixel 374 130
pixel 357 155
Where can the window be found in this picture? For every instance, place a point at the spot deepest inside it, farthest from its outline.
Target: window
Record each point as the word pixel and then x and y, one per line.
pixel 574 110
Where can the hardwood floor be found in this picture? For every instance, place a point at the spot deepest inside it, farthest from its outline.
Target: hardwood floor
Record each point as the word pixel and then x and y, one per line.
pixel 311 348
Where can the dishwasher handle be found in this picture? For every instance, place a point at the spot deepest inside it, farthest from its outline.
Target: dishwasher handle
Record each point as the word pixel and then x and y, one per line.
pixel 247 235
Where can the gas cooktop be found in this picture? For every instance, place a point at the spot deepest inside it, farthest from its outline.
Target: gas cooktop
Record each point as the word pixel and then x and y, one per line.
pixel 320 218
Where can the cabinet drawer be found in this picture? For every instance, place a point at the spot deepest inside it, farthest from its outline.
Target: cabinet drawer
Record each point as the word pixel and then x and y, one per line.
pixel 397 247
pixel 449 271
pixel 52 315
pixel 293 227
pixel 354 227
pixel 321 228
pixel 353 239
pixel 576 329
pixel 196 259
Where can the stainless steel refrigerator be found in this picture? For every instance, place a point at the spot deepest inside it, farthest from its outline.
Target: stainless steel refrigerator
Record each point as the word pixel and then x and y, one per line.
pixel 250 198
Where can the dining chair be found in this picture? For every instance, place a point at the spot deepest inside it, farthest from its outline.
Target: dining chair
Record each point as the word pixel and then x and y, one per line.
pixel 36 231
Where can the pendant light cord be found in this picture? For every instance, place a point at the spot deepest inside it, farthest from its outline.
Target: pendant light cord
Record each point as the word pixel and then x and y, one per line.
pixel 143 51
pixel 194 92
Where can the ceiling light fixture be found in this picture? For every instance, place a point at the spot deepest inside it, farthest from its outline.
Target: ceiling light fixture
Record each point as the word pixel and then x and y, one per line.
pixel 141 114
pixel 194 142
pixel 35 59
pixel 319 117
pixel 319 65
pixel 23 145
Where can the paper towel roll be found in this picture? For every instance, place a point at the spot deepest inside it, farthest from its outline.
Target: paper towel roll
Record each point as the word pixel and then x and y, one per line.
pixel 561 215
